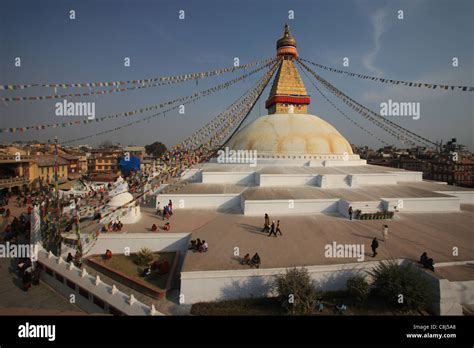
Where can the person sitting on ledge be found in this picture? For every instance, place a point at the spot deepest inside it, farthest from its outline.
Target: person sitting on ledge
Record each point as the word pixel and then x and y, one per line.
pixel 429 264
pixel 154 228
pixel 319 305
pixel 146 271
pixel 246 259
pixel 198 244
pixel 204 247
pixel 341 307
pixel 255 261
pixel 193 245
pixel 423 258
pixel 108 254
pixel 69 258
pixel 167 226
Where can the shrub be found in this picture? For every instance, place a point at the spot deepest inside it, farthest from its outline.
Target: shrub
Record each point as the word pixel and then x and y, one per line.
pixel 358 289
pixel 144 256
pixel 296 292
pixel 392 280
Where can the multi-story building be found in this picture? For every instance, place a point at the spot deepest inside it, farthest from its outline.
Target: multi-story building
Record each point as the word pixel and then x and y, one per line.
pixel 74 167
pixel 46 165
pixel 16 171
pixel 135 151
pixel 104 160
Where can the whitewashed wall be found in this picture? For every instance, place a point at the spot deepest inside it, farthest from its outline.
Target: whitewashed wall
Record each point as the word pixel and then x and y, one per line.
pixel 288 206
pixel 465 197
pixel 96 287
pixel 201 201
pixel 430 204
pixel 375 179
pixel 135 241
pixel 408 176
pixel 334 181
pixel 247 283
pixel 287 179
pixel 241 178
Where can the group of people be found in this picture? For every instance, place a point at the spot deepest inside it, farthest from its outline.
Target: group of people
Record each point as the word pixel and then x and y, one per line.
pixel 115 226
pixel 255 261
pixel 272 229
pixel 199 246
pixel 167 210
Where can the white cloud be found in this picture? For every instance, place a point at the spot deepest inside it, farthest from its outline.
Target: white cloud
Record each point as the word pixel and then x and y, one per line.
pixel 378 22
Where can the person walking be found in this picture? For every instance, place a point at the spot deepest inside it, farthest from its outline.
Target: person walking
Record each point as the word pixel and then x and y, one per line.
pixel 278 230
pixel 266 226
pixel 350 211
pixel 385 232
pixel 272 229
pixel 374 246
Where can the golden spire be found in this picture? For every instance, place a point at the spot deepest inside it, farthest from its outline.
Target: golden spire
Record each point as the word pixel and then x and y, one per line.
pixel 286 45
pixel 288 93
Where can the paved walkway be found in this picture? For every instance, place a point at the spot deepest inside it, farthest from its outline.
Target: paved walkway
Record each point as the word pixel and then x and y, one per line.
pixel 305 237
pixel 39 300
pixel 456 273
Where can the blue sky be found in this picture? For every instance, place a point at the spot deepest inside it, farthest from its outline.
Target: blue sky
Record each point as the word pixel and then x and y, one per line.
pixel 92 47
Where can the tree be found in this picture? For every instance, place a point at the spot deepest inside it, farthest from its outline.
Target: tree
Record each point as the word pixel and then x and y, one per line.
pixel 296 292
pixel 402 287
pixel 144 256
pixel 157 149
pixel 358 289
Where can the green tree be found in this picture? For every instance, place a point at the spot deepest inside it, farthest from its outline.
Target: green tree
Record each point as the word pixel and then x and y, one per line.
pixel 358 289
pixel 403 287
pixel 144 256
pixel 296 292
pixel 157 149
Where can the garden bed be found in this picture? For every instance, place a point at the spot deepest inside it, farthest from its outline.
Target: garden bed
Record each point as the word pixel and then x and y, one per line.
pixel 127 271
pixel 271 306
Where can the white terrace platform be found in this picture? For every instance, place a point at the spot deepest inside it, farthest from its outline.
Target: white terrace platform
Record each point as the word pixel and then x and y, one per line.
pixel 298 190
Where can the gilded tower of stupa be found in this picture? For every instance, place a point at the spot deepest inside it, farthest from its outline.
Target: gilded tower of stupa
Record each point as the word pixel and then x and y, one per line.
pixel 288 93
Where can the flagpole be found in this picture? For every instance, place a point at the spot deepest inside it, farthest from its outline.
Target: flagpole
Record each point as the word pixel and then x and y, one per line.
pixel 56 187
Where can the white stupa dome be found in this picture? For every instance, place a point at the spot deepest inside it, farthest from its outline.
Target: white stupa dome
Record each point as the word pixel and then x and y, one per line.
pixel 287 134
pixel 120 199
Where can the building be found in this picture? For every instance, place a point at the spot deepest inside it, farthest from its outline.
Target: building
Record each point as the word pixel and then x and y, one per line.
pixel 104 160
pixel 459 173
pixel 16 171
pixel 46 167
pixel 74 166
pixel 135 151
